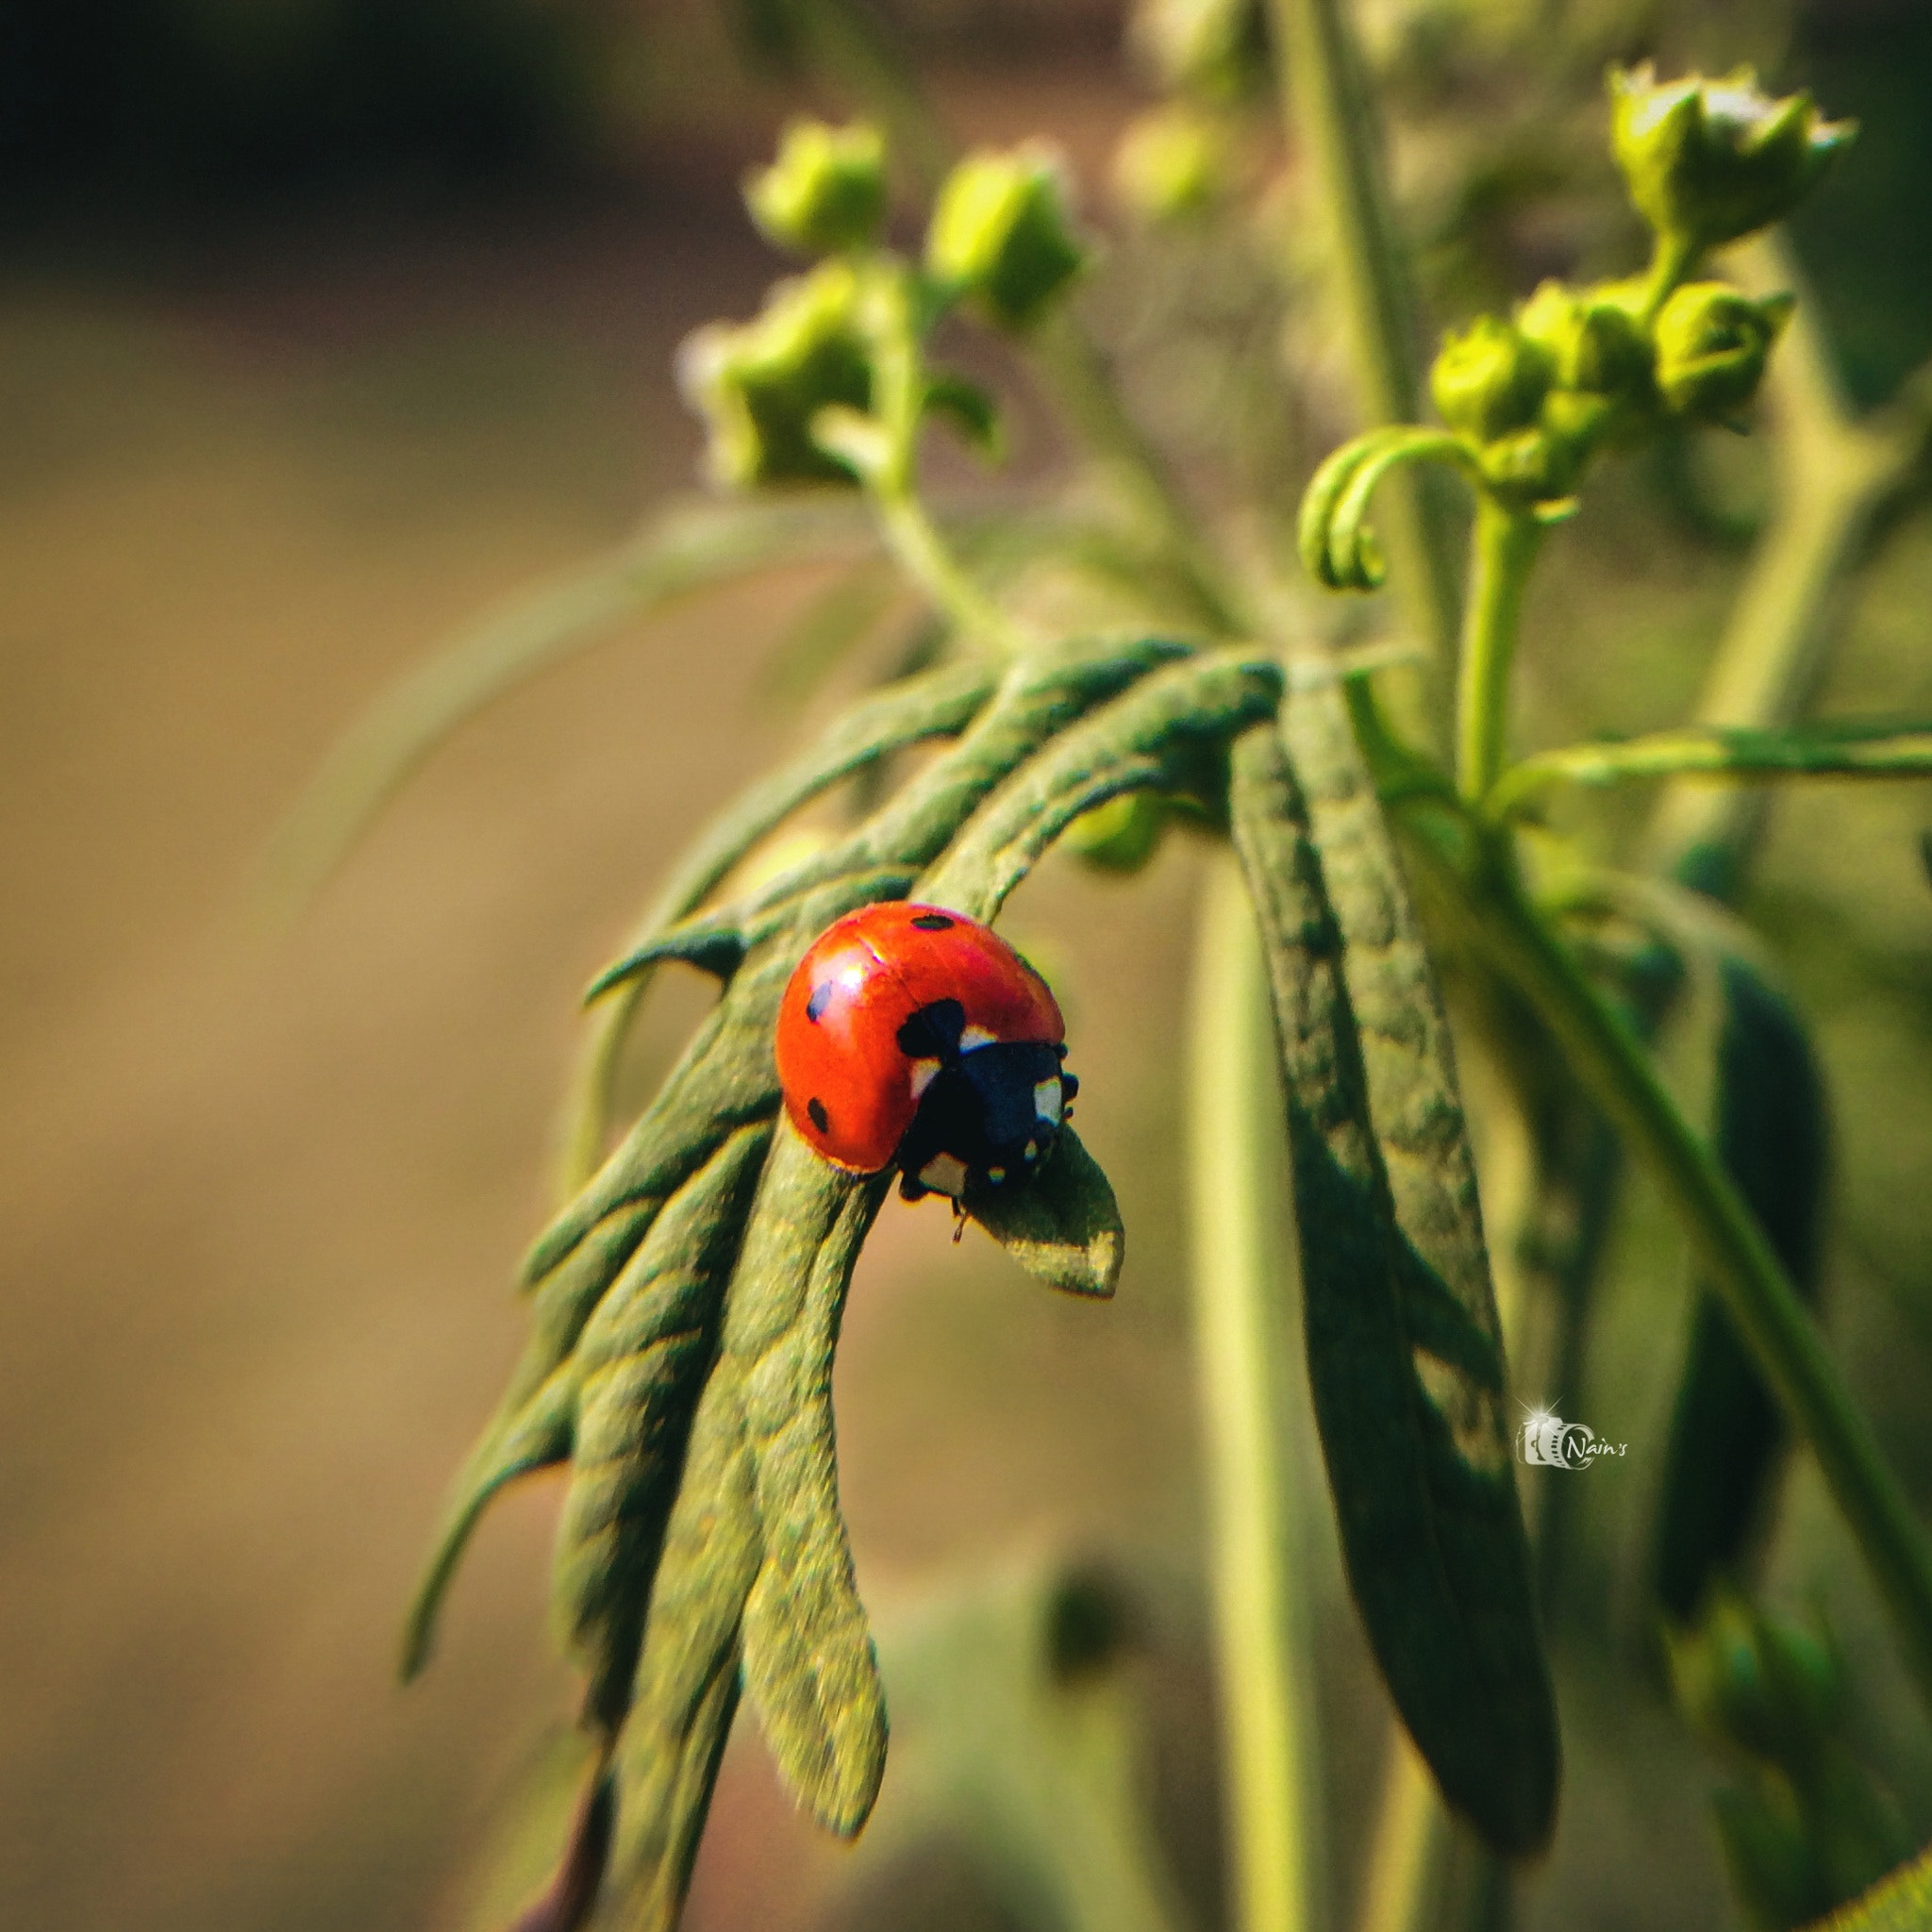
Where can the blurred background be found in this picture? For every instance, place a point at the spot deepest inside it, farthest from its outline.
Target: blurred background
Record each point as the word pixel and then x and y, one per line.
pixel 326 324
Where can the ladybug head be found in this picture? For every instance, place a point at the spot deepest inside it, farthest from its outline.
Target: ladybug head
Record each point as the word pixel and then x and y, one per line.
pixel 989 1110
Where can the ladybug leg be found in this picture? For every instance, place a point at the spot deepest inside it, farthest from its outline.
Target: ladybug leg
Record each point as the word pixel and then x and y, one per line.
pixel 959 1221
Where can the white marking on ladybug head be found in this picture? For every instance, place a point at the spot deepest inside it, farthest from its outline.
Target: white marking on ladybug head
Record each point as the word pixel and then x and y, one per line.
pixel 1046 1100
pixel 924 1074
pixel 971 1036
pixel 996 1175
pixel 944 1175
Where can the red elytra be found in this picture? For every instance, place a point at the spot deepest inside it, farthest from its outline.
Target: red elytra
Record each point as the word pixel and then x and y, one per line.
pixel 885 1002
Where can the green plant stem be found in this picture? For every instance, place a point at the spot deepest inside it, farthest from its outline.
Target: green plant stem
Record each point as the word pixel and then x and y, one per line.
pixel 1245 1333
pixel 1670 261
pixel 1328 107
pixel 923 554
pixel 1761 1303
pixel 1836 476
pixel 1504 546
pixel 893 482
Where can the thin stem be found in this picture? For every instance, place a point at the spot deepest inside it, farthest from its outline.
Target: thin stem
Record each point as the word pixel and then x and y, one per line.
pixel 923 554
pixel 1502 548
pixel 1836 477
pixel 849 45
pixel 899 385
pixel 1670 261
pixel 1760 1301
pixel 1328 107
pixel 1245 1328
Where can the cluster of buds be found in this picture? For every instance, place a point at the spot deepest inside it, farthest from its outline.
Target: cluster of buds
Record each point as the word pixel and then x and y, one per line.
pixel 1001 238
pixel 1579 369
pixel 1575 370
pixel 1806 1826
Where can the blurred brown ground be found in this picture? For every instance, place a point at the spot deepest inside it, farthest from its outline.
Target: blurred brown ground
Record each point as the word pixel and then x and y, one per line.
pixel 263 1195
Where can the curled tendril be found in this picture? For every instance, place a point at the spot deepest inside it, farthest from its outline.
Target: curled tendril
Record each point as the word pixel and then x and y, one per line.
pixel 1337 545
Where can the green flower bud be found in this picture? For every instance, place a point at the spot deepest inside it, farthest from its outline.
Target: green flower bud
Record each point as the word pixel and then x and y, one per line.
pixel 1754 1685
pixel 1593 339
pixel 758 385
pixel 1215 47
pixel 1001 231
pixel 1534 466
pixel 826 191
pixel 1489 380
pixel 1709 161
pixel 1712 345
pixel 1172 163
pixel 1121 835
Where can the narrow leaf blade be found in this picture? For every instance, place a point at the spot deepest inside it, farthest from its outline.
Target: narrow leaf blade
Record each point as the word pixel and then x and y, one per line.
pixel 1064 1225
pixel 1406 1383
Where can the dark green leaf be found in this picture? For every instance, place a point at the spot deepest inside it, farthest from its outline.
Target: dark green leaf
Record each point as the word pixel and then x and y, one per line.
pixel 1726 1429
pixel 969 407
pixel 1064 1225
pixel 1407 1375
pixel 727 1077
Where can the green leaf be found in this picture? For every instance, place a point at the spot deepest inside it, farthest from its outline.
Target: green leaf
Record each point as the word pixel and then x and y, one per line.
pixel 1064 1225
pixel 1902 1903
pixel 1404 1359
pixel 1726 1431
pixel 807 1222
pixel 702 1540
pixel 1152 739
pixel 969 410
pixel 639 1363
pixel 685 1689
pixel 1847 748
pixel 689 550
pixel 809 1668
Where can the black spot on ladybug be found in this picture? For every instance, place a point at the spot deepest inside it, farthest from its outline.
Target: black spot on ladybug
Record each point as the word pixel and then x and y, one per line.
pixel 820 998
pixel 933 1032
pixel 934 922
pixel 820 1118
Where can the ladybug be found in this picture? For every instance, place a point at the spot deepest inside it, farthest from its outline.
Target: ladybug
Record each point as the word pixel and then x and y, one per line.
pixel 913 1036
